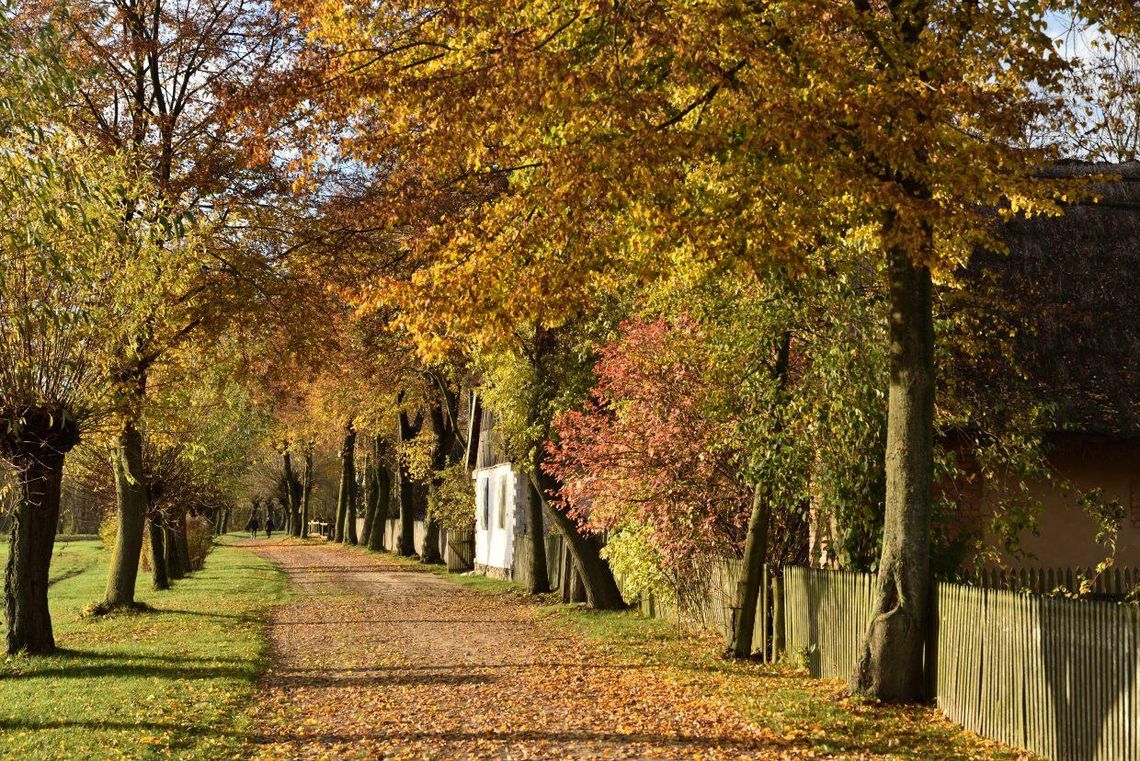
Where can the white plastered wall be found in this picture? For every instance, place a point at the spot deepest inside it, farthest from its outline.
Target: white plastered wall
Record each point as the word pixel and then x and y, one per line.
pixel 499 501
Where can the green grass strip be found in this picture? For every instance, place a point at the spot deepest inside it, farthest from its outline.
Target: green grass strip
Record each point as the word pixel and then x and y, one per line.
pixel 172 682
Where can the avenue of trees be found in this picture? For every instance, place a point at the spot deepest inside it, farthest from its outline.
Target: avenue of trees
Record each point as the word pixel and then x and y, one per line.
pixel 703 264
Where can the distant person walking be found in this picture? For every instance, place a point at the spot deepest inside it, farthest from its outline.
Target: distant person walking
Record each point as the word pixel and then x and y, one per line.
pixel 269 526
pixel 253 525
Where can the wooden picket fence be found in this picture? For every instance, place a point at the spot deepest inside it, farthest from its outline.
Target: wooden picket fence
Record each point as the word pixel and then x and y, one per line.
pixel 826 615
pixel 1109 584
pixel 715 606
pixel 1055 676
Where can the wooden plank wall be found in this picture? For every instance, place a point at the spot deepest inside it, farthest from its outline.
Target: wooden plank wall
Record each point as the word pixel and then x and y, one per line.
pixel 1056 676
pixel 392 531
pixel 520 560
pixel 716 608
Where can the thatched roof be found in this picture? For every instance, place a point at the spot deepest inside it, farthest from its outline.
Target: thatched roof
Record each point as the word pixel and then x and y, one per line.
pixel 1073 288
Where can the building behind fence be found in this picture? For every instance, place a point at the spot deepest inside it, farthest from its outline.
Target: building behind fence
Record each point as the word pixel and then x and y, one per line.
pixel 1055 676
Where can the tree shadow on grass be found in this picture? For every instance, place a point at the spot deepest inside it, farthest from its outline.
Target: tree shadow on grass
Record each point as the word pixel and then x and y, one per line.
pixel 67 653
pixel 186 670
pixel 242 617
pixel 34 725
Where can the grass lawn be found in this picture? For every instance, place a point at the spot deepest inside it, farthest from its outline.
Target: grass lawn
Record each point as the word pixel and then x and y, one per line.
pixel 172 682
pixel 812 715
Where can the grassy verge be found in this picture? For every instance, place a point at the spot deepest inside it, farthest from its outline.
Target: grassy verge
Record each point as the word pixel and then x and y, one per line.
pixel 812 715
pixel 172 682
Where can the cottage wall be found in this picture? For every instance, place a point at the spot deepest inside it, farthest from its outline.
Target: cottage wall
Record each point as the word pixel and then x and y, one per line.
pixel 1067 536
pixel 500 507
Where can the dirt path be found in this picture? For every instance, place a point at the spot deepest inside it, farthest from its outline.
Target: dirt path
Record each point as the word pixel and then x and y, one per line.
pixel 380 660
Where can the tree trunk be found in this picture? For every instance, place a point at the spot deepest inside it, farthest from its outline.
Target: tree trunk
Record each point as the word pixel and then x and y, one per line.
pixel 577 586
pixel 601 588
pixel 369 482
pixel 383 499
pixel 756 543
pixel 306 494
pixel 182 544
pixel 409 493
pixel 346 498
pixel 157 557
pixel 130 494
pixel 293 497
pixel 31 541
pixel 890 667
pixel 539 579
pixel 748 590
pixel 567 562
pixel 430 552
pixel 174 568
pixel 344 494
pixel 446 450
pixel 350 536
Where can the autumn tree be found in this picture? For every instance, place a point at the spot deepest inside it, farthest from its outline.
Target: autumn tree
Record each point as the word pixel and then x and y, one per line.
pixel 65 293
pixel 710 426
pixel 171 84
